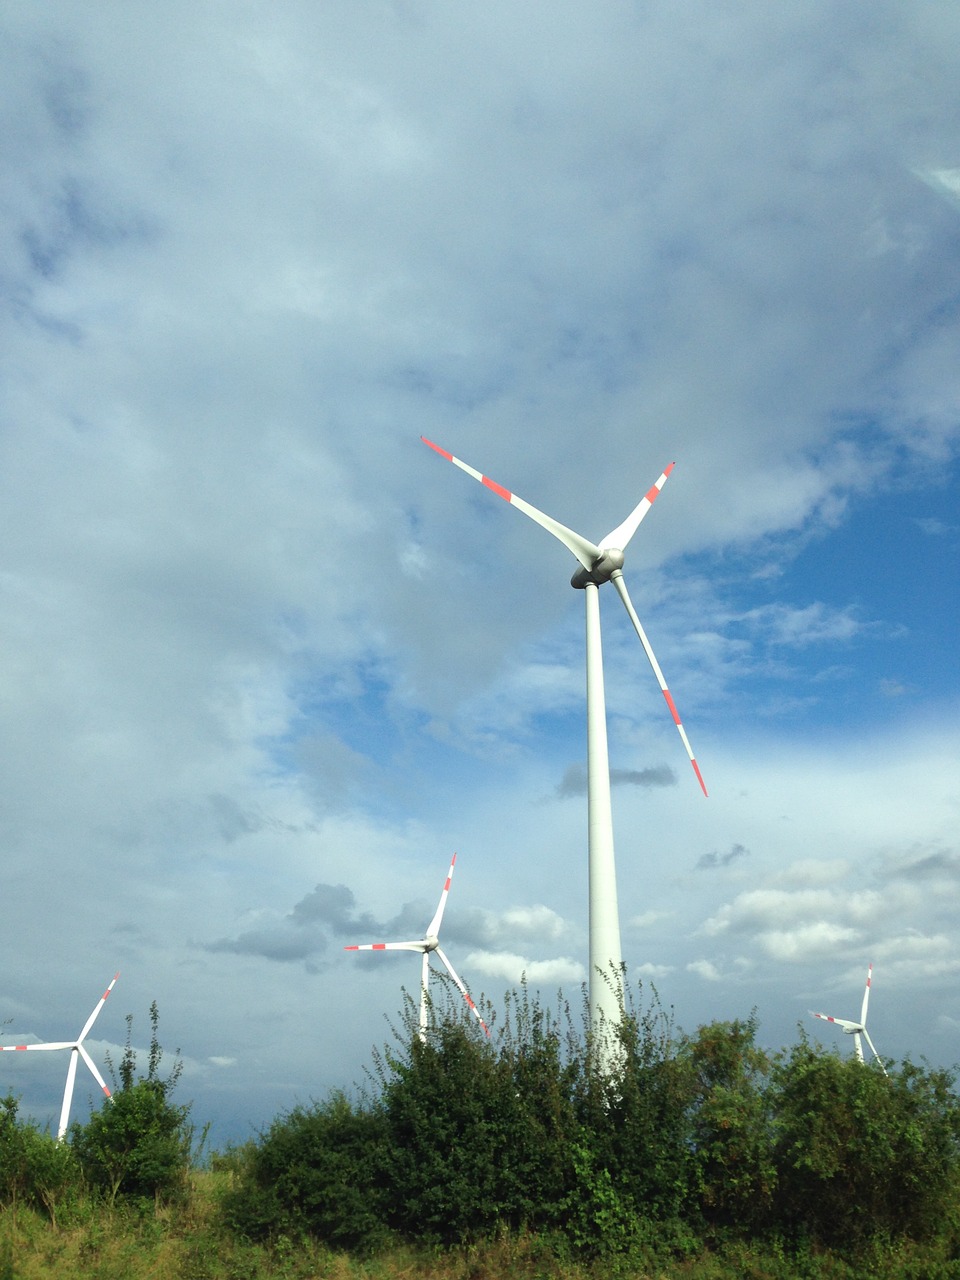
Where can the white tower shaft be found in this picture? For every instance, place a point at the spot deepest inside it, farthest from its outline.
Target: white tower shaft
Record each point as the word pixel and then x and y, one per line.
pixel 606 957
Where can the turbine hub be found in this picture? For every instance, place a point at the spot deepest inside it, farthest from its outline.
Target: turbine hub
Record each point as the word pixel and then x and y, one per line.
pixel 607 563
pixel 431 943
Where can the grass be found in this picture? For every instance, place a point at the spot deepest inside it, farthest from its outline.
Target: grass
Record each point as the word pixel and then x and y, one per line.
pixel 186 1242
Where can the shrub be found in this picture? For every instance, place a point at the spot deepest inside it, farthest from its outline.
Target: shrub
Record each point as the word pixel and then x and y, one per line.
pixel 140 1144
pixel 35 1169
pixel 731 1123
pixel 861 1155
pixel 317 1171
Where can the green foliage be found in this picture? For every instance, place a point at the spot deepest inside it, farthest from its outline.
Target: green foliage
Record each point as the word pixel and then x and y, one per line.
pixel 598 1221
pixel 862 1156
pixel 479 1131
pixel 452 1164
pixel 731 1128
pixel 35 1169
pixel 628 1153
pixel 141 1143
pixel 316 1171
pixel 633 1111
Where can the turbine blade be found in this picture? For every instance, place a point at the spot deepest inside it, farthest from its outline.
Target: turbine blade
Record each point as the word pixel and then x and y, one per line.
pixel 843 1023
pixel 621 535
pixel 45 1044
pixel 68 1095
pixel 420 945
pixel 94 1072
pixel 866 995
pixel 621 586
pixel 433 928
pixel 873 1050
pixel 93 1017
pixel 584 550
pixel 424 992
pixel 463 990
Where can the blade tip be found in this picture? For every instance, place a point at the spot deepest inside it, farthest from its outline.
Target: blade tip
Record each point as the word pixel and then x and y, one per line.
pixel 437 449
pixel 696 770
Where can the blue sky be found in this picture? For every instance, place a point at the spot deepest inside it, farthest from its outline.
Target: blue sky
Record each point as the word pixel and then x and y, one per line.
pixel 266 662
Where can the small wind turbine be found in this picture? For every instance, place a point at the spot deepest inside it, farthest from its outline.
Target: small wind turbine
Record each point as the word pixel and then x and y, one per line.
pixel 599 563
pixel 77 1050
pixel 857 1029
pixel 428 944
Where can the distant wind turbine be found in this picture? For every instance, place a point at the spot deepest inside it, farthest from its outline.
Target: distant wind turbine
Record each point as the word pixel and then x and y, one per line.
pixel 427 945
pixel 599 563
pixel 77 1050
pixel 857 1029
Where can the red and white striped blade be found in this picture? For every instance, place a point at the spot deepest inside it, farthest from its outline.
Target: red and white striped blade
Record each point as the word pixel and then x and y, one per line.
pixel 463 990
pixel 866 995
pixel 584 550
pixel 46 1044
pixel 93 1017
pixel 67 1096
pixel 389 946
pixel 873 1050
pixel 93 1071
pixel 621 535
pixel 851 1028
pixel 433 928
pixel 621 586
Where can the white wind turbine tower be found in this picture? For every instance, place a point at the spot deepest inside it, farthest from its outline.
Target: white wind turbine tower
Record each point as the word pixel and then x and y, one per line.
pixel 427 945
pixel 857 1029
pixel 77 1050
pixel 599 563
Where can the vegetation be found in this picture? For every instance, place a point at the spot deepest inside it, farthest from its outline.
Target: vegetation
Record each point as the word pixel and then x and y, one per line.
pixel 544 1151
pixel 142 1143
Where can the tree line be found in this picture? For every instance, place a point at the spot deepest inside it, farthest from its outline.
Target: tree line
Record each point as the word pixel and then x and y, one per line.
pixel 671 1141
pixel 669 1144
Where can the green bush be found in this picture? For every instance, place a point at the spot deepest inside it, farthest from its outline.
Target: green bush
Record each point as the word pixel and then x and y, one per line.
pixel 316 1171
pixel 862 1156
pixel 35 1170
pixel 634 1114
pixel 638 1155
pixel 450 1169
pixel 139 1144
pixel 731 1129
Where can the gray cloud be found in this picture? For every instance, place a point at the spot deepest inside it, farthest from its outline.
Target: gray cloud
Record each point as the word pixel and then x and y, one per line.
pixel 574 781
pixel 710 861
pixel 932 866
pixel 325 914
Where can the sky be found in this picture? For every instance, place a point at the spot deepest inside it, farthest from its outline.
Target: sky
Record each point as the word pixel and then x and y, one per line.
pixel 267 662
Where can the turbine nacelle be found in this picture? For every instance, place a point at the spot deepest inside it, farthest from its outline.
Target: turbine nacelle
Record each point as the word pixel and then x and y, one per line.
pixel 607 563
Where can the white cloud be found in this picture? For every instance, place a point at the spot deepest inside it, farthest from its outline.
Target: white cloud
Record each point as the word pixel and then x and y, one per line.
pixel 513 968
pixel 705 969
pixel 822 939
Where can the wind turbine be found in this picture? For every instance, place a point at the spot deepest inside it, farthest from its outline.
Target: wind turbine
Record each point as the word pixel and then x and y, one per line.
pixel 599 563
pixel 77 1050
pixel 428 944
pixel 857 1029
